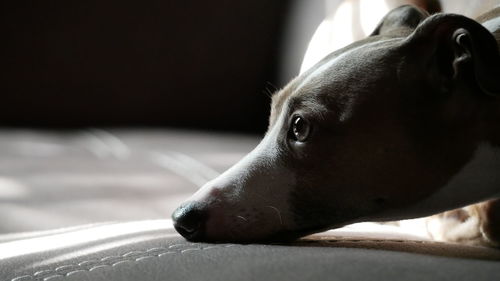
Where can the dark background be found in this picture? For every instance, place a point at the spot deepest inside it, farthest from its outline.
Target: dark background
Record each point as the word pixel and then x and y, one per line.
pixel 193 64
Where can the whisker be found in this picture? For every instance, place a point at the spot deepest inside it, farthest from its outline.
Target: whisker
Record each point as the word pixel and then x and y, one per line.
pixel 277 211
pixel 243 218
pixel 272 85
pixel 267 92
pixel 270 89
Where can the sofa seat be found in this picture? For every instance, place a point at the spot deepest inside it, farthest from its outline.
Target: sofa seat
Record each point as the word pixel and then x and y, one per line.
pixel 95 205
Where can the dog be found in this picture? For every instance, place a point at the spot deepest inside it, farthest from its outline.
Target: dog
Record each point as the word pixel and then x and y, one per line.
pixel 402 124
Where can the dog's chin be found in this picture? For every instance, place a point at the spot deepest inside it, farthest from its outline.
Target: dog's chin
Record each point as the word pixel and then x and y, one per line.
pixel 305 230
pixel 278 237
pixel 275 237
pixel 281 236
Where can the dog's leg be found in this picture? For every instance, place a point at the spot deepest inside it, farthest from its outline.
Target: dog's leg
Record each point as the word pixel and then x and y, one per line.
pixel 477 224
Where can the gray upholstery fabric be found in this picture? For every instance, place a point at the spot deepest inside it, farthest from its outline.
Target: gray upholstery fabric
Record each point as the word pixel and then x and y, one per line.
pixel 94 205
pixel 151 250
pixel 50 180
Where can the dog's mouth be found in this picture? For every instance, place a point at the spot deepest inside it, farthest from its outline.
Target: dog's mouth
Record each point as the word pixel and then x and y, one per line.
pixel 250 227
pixel 290 236
pixel 263 224
pixel 281 236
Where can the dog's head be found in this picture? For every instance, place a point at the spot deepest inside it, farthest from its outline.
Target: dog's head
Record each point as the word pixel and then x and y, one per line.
pixel 371 129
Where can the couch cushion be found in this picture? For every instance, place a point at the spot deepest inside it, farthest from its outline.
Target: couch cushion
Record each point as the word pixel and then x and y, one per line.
pixel 59 179
pixel 151 250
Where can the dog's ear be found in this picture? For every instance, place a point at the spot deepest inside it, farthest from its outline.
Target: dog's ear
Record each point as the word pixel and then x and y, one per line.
pixel 460 48
pixel 399 20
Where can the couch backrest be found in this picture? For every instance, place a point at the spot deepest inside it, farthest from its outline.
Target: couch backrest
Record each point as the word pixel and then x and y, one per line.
pixel 202 64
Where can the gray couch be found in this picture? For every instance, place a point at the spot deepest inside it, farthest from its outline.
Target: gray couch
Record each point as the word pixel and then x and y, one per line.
pixel 95 205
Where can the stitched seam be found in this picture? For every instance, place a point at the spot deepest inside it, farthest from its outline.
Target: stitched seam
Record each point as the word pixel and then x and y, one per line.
pixel 110 261
pixel 372 240
pixel 135 256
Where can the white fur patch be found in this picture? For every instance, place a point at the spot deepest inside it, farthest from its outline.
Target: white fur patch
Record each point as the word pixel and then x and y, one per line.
pixel 492 25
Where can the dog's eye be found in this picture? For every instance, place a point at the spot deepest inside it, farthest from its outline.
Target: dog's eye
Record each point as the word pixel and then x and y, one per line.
pixel 300 129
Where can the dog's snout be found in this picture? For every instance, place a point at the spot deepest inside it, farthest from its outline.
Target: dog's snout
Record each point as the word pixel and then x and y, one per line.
pixel 189 220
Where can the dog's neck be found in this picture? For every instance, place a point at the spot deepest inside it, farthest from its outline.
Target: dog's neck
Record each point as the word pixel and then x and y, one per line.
pixel 477 181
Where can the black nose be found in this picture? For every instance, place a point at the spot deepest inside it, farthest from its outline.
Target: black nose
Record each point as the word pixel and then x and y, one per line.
pixel 189 220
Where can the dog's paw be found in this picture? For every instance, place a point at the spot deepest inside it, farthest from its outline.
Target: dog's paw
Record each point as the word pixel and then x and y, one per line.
pixel 477 224
pixel 489 212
